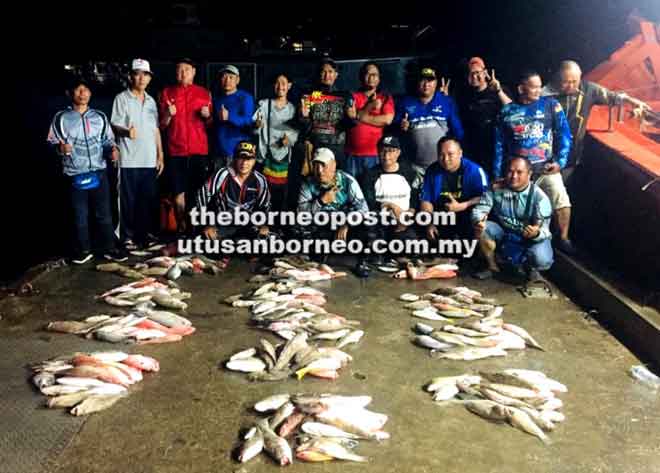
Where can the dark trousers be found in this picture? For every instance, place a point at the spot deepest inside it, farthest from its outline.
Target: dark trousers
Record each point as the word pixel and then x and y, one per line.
pixel 138 203
pixel 99 201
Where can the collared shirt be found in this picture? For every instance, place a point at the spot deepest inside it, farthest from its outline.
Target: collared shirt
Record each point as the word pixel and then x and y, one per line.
pixel 429 122
pixel 223 192
pixel 127 111
pixel 186 132
pixel 468 181
pixel 537 131
pixel 90 135
pixel 577 108
pixel 508 209
pixel 349 197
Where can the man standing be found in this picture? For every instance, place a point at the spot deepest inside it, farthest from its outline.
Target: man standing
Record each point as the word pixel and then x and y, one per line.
pixel 577 97
pixel 328 189
pixel 388 186
pixel 536 128
pixel 374 110
pixel 452 184
pixel 234 109
pixel 80 136
pixel 185 112
pixel 324 114
pixel 427 118
pixel 519 229
pixel 135 121
pixel 276 140
pixel 479 107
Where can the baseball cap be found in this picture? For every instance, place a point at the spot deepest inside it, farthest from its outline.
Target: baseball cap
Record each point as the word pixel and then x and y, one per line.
pixel 389 141
pixel 245 149
pixel 323 155
pixel 186 60
pixel 476 62
pixel 230 68
pixel 141 65
pixel 428 73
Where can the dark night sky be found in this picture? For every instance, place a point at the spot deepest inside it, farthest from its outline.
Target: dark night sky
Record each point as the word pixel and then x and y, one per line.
pixel 509 34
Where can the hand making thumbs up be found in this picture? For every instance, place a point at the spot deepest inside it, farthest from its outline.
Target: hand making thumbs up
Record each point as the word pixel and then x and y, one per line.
pixel 405 124
pixel 171 108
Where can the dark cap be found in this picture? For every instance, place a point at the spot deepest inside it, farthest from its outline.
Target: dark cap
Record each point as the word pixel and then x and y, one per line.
pixel 329 61
pixel 186 60
pixel 389 141
pixel 245 149
pixel 427 73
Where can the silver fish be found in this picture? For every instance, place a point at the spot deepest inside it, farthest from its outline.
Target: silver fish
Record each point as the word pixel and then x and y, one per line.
pixel 252 446
pixel 95 404
pixel 272 403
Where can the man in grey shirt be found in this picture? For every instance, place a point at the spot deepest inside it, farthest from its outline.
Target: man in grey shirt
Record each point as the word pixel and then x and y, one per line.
pixel 135 121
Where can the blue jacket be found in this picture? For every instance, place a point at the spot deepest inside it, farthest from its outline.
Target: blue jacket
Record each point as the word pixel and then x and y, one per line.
pixel 241 108
pixel 428 123
pixel 538 131
pixel 90 135
pixel 473 182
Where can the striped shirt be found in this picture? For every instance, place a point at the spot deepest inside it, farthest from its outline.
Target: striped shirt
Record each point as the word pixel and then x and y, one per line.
pixel 224 193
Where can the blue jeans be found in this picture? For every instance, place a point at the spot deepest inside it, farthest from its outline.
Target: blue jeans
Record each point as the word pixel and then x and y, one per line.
pixel 99 200
pixel 358 165
pixel 539 254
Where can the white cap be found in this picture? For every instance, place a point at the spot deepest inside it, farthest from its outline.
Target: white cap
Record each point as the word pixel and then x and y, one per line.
pixel 141 65
pixel 323 155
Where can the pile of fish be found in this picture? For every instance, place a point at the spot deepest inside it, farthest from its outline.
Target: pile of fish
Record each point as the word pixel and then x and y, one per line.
pixel 324 427
pixel 296 314
pixel 165 266
pixel 143 326
pixel 298 268
pixel 471 325
pixel 147 290
pixel 526 399
pixel 89 382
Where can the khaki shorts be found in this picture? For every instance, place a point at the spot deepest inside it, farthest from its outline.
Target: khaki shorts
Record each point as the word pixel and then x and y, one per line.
pixel 553 186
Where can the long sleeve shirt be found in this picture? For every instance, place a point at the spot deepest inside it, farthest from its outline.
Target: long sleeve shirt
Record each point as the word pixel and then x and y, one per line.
pixel 237 127
pixel 90 135
pixel 537 131
pixel 508 209
pixel 349 197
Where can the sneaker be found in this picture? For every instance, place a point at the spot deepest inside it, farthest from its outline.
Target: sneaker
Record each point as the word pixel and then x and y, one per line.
pixel 116 254
pixel 362 270
pixel 129 245
pixel 82 258
pixel 566 246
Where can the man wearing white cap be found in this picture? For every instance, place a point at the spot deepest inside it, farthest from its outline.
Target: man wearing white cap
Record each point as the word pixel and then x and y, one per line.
pixel 135 122
pixel 234 109
pixel 328 189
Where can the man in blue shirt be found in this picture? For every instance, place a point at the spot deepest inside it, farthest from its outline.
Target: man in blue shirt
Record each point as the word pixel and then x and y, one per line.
pixel 427 118
pixel 519 229
pixel 536 128
pixel 234 110
pixel 452 184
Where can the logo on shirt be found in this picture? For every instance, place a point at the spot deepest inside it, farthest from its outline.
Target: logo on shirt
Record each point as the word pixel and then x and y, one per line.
pixel 437 109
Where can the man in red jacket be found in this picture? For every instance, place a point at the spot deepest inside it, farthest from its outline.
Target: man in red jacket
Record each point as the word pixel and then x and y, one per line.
pixel 185 114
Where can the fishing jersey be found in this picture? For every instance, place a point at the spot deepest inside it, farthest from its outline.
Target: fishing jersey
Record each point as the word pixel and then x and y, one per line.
pixel 428 124
pixel 577 108
pixel 349 197
pixel 468 181
pixel 327 119
pixel 537 131
pixel 223 193
pixel 89 133
pixel 508 209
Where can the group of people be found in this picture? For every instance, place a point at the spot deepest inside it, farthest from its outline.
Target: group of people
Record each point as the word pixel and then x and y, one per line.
pixel 503 163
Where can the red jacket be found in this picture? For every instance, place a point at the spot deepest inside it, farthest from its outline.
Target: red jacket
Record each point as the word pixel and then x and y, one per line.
pixel 186 132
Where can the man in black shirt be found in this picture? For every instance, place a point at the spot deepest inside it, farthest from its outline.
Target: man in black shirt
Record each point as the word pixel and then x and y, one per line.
pixel 479 106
